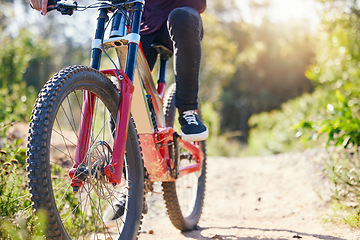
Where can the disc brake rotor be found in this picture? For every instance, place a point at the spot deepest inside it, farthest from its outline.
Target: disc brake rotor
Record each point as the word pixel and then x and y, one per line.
pixel 100 155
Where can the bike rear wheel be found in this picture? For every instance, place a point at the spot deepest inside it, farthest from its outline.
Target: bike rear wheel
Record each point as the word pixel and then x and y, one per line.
pixel 52 143
pixel 184 197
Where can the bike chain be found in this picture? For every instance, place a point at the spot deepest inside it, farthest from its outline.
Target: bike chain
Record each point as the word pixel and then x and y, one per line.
pixel 152 112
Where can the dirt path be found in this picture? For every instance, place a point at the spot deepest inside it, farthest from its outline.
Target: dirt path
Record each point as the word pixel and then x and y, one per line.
pixel 274 198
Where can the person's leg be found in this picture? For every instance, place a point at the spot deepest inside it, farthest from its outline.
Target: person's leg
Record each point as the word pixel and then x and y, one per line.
pixel 185 29
pixel 161 36
pixel 150 53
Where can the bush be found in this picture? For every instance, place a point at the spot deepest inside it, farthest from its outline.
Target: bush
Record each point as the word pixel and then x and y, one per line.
pixel 337 71
pixel 343 170
pixel 284 129
pixel 17 220
pixel 20 231
pixel 15 204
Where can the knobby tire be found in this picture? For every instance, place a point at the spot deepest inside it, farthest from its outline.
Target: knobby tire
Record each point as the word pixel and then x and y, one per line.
pixel 183 207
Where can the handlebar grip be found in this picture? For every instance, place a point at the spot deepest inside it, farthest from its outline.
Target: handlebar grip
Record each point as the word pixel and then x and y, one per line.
pixel 65 7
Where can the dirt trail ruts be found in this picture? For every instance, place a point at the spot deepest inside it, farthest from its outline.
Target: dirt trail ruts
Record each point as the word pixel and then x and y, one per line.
pixel 274 197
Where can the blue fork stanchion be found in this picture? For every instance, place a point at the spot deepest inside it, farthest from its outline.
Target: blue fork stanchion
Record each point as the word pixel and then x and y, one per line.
pixel 100 29
pixel 135 28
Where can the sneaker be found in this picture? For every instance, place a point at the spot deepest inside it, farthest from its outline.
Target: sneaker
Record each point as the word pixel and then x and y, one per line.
pixel 115 211
pixel 192 129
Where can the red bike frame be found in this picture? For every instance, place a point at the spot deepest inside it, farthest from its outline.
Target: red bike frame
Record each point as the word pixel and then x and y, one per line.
pixel 137 81
pixel 155 146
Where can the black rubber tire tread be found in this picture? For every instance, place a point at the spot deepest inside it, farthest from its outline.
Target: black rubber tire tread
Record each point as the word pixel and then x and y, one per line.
pixel 183 223
pixel 44 112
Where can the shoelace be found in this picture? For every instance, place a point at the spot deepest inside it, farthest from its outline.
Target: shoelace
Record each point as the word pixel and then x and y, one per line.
pixel 190 117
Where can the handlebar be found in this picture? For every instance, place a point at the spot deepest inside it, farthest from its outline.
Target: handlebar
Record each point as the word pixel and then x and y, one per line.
pixel 66 7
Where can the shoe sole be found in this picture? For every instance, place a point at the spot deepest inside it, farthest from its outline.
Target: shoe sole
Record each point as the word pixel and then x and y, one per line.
pixel 194 137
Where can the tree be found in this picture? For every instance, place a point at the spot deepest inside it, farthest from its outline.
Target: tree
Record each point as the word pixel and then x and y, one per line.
pixel 248 69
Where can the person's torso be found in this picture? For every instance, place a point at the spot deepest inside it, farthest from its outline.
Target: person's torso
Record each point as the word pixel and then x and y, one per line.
pixel 156 12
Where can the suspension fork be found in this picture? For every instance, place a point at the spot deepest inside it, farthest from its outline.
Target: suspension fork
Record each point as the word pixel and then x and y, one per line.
pixel 114 170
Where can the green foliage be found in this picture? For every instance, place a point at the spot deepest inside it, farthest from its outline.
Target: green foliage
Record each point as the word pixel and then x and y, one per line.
pixel 16 56
pixel 17 53
pixel 220 56
pixel 16 102
pixel 336 72
pixel 344 214
pixel 342 127
pixel 330 114
pixel 248 69
pixel 279 130
pixel 343 170
pixel 332 111
pixel 15 204
pixel 20 230
pixel 9 189
pixel 219 144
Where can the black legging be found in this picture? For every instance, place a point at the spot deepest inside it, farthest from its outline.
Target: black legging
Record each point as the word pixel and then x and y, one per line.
pixel 182 33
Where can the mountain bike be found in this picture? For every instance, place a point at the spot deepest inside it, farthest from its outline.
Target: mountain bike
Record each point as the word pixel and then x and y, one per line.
pixel 97 136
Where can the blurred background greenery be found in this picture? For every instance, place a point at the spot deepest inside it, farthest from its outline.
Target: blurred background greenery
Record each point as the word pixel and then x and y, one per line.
pixel 255 54
pixel 275 74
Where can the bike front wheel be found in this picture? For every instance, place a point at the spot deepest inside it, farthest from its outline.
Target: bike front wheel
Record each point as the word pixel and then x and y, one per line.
pixel 53 139
pixel 184 197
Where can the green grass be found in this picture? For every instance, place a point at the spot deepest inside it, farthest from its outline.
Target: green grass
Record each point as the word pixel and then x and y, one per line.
pixel 15 205
pixel 341 213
